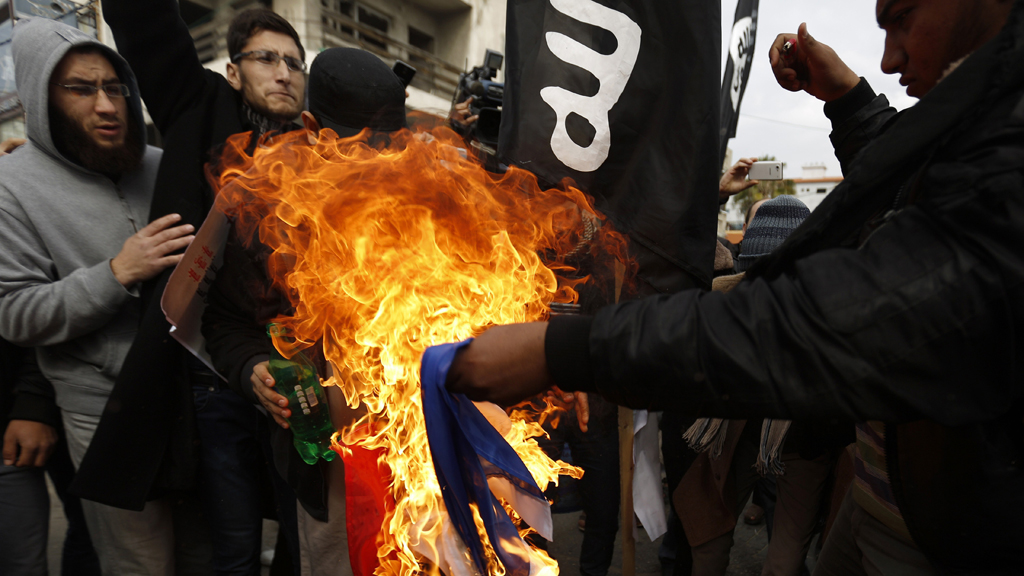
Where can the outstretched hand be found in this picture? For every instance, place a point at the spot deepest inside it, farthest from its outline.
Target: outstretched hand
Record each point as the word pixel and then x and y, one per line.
pixel 810 66
pixel 504 365
pixel 735 180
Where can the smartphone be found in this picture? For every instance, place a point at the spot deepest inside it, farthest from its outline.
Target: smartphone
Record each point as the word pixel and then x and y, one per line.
pixel 765 171
pixel 404 72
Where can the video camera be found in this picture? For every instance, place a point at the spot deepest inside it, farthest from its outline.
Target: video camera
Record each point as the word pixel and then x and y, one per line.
pixel 487 97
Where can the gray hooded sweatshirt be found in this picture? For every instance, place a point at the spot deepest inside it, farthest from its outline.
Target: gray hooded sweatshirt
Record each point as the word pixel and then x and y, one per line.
pixel 60 226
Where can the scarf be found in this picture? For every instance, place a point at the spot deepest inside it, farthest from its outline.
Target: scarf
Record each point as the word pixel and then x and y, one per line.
pixel 709 434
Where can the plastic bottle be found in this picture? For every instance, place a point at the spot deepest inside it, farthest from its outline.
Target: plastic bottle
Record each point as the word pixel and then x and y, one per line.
pixel 297 380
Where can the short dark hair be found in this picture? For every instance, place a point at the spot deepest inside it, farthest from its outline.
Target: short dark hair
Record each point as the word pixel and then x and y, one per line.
pixel 251 22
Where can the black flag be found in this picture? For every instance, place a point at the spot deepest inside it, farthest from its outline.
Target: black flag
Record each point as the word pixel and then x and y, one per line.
pixel 737 68
pixel 622 97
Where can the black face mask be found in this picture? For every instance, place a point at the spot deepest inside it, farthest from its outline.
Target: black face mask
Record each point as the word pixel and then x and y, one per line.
pixel 75 144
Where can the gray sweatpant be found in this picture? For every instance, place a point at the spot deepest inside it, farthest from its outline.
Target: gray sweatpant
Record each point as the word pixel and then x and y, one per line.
pixel 144 543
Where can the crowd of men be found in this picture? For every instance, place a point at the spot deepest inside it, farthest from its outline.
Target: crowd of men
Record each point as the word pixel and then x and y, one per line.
pixel 874 340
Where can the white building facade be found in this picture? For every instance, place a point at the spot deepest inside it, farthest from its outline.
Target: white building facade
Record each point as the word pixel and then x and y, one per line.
pixel 440 38
pixel 814 185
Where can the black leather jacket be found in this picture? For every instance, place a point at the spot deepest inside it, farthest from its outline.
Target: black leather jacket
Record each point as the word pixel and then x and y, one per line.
pixel 898 299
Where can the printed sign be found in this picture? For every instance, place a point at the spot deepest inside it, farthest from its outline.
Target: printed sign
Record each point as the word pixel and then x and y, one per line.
pixel 184 298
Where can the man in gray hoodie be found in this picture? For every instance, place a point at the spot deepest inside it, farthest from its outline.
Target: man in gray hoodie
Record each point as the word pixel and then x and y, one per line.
pixel 73 201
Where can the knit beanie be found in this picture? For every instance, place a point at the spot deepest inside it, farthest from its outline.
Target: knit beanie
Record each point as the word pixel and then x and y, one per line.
pixel 771 225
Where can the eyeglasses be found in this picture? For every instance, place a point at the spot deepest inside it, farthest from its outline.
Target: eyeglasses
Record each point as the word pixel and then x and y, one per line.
pixel 272 59
pixel 88 91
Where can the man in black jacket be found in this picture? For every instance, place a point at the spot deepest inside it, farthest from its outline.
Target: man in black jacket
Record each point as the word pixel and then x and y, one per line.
pixel 896 304
pixel 349 90
pixel 163 395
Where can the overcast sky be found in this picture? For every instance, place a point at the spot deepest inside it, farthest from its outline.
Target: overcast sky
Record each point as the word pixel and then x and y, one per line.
pixel 791 126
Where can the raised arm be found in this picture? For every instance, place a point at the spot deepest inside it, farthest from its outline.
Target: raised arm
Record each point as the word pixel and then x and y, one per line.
pixel 155 41
pixel 803 64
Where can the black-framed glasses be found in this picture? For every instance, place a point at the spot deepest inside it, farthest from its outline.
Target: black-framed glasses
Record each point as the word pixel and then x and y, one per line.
pixel 88 90
pixel 272 59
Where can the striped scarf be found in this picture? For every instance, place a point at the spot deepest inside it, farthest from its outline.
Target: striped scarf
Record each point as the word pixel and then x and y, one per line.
pixel 708 434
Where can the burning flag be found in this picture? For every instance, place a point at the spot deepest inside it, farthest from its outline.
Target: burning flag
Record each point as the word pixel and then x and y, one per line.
pixel 385 247
pixel 477 469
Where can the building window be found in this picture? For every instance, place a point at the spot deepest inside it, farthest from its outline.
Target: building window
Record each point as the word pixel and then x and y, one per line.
pixel 241 5
pixel 376 21
pixel 822 190
pixel 340 6
pixel 421 40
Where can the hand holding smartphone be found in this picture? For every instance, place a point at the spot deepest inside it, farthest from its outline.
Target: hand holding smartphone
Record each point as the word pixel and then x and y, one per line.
pixel 765 171
pixel 404 72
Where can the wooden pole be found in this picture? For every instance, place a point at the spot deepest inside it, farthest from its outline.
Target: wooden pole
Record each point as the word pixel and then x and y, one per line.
pixel 626 484
pixel 625 464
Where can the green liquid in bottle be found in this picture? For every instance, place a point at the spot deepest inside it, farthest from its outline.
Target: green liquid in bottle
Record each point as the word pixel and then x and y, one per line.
pixel 296 379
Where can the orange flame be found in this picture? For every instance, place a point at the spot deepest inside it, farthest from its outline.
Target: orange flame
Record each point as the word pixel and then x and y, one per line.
pixel 388 246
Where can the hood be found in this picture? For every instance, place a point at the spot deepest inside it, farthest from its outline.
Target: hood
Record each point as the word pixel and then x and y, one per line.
pixel 38 46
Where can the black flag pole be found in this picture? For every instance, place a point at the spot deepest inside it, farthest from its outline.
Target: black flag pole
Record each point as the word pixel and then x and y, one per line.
pixel 737 69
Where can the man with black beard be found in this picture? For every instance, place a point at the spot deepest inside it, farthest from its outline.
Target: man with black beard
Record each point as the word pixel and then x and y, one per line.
pixel 73 204
pixel 73 140
pixel 172 423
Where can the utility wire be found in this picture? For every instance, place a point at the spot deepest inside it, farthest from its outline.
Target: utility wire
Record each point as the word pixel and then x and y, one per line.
pixel 804 126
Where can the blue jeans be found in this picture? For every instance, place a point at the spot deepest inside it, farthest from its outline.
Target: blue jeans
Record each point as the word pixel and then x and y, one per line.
pixel 235 461
pixel 25 513
pixel 597 452
pixel 25 520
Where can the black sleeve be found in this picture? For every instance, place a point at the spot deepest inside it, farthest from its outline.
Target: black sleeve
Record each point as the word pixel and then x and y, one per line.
pixel 32 394
pixel 155 41
pixel 240 303
pixel 920 322
pixel 567 352
pixel 857 118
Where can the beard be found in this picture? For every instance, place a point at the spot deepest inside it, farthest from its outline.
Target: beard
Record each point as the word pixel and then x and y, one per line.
pixel 77 145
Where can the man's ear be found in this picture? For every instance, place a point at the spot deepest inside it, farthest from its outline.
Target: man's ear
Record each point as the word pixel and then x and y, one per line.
pixel 312 127
pixel 234 76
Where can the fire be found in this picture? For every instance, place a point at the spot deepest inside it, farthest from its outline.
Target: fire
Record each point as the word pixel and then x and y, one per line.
pixel 387 247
